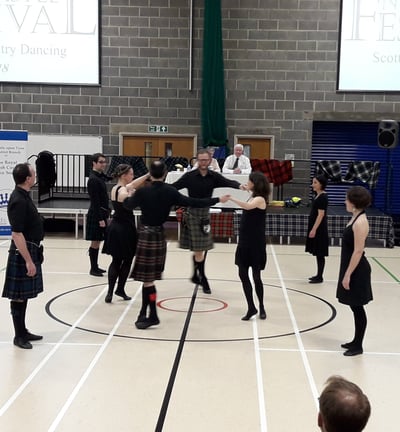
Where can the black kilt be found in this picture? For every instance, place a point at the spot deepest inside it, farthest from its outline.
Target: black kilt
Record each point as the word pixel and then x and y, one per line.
pixel 151 253
pixel 17 285
pixel 191 235
pixel 94 231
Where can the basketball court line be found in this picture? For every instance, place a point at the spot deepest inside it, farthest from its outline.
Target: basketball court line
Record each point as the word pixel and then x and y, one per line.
pixel 23 386
pixel 297 333
pixel 92 364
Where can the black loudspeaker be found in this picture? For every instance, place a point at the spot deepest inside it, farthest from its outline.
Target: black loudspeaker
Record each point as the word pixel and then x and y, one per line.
pixel 388 134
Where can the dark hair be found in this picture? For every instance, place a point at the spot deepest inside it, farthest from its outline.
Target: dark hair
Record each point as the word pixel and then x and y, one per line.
pixel 343 406
pixel 322 180
pixel 203 151
pixel 20 172
pixel 95 157
pixel 121 169
pixel 359 196
pixel 158 169
pixel 261 185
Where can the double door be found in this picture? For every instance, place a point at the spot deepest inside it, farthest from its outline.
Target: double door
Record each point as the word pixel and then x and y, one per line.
pixel 155 146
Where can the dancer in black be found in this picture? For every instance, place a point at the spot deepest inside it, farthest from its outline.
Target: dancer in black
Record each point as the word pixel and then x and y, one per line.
pixel 155 202
pixel 317 242
pixel 99 211
pixel 121 236
pixel 354 285
pixel 251 248
pixel 23 279
pixel 200 183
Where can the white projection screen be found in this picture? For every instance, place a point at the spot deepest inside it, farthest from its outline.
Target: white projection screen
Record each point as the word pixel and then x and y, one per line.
pixel 50 42
pixel 369 46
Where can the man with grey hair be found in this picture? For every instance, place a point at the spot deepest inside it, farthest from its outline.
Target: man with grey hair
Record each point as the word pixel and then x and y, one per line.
pixel 343 407
pixel 237 163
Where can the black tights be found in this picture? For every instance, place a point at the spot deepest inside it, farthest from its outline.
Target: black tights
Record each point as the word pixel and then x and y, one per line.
pixel 320 266
pixel 119 269
pixel 360 325
pixel 248 289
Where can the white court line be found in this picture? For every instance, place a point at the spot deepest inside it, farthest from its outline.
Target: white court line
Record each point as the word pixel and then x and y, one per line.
pixel 92 364
pixel 260 385
pixel 302 351
pixel 23 386
pixel 319 351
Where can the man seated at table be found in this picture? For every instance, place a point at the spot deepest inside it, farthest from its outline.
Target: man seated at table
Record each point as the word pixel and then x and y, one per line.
pixel 237 163
pixel 214 166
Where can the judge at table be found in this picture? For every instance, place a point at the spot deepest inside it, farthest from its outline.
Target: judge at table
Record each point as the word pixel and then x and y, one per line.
pixel 237 163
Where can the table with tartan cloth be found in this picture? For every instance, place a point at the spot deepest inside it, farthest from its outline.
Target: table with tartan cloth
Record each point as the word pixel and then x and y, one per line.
pixel 295 225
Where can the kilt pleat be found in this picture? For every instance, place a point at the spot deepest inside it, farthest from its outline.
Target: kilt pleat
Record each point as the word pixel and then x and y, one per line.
pixel 150 254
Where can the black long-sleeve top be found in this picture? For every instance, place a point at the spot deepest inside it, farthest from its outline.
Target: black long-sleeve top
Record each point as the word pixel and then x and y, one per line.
pixel 200 186
pixel 23 216
pixel 97 190
pixel 156 200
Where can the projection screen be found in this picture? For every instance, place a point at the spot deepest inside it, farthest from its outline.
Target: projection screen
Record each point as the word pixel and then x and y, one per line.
pixel 369 46
pixel 50 41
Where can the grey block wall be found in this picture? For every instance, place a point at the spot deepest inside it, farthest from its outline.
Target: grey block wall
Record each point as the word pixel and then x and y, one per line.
pixel 280 68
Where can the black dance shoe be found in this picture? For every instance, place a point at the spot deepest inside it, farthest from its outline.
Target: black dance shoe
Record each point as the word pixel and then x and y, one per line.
pixel 95 272
pixel 123 295
pixel 263 314
pixel 316 280
pixel 250 313
pixel 32 337
pixel 22 343
pixel 353 351
pixel 205 285
pixel 347 345
pixel 146 323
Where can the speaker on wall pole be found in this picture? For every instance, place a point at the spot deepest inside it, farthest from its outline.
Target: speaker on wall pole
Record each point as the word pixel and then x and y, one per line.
pixel 388 134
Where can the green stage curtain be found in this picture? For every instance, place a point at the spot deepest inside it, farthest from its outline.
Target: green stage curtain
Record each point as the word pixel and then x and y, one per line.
pixel 213 89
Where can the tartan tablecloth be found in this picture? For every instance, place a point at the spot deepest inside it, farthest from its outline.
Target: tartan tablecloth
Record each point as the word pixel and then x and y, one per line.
pixel 221 223
pixel 380 227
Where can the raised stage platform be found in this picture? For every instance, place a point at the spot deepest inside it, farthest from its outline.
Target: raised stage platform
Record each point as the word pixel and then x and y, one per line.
pixel 280 221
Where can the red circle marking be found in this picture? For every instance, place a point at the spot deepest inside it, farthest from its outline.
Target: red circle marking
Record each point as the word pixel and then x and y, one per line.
pixel 161 304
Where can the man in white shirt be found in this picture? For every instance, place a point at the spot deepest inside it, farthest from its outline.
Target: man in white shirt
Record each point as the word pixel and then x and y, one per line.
pixel 237 163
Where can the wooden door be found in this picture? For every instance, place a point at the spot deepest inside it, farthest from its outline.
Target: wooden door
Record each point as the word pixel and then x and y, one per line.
pixel 260 148
pixel 158 146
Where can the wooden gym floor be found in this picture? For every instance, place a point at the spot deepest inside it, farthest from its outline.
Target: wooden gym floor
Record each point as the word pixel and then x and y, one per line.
pixel 202 368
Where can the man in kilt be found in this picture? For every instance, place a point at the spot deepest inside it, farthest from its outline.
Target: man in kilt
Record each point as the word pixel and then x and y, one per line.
pixel 155 202
pixel 195 230
pixel 99 211
pixel 23 279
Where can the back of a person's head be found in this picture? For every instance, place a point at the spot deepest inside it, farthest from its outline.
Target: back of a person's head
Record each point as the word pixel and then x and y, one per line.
pixel 343 406
pixel 261 185
pixel 20 172
pixel 158 169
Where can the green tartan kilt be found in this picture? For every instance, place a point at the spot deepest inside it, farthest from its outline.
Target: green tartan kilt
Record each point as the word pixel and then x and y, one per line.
pixel 17 285
pixel 191 235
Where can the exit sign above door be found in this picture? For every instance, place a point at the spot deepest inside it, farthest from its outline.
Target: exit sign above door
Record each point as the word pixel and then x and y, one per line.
pixel 158 128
